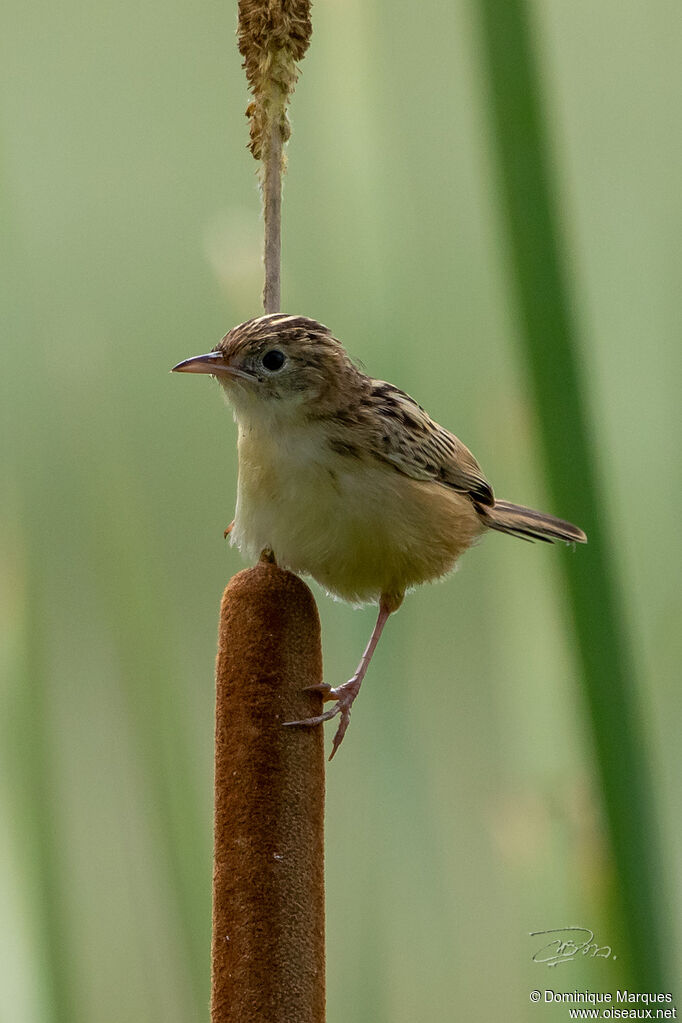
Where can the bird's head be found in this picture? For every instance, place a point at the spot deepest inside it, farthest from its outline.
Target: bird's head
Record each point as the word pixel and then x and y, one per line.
pixel 277 363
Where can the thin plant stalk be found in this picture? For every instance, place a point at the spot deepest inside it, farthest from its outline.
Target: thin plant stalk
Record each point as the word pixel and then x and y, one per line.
pixel 272 216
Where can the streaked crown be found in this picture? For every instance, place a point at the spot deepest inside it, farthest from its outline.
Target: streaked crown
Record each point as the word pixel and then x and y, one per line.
pixel 286 356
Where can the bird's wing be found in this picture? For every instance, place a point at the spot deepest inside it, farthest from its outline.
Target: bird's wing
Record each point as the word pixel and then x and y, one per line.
pixel 404 435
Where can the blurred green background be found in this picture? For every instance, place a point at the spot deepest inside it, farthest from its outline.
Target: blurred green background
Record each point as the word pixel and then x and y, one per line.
pixel 464 809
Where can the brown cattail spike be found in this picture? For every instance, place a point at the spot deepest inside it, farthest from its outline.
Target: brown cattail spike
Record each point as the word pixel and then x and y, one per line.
pixel 268 883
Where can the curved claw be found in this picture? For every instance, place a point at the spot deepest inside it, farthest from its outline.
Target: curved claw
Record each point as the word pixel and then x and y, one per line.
pixel 340 731
pixel 324 688
pixel 318 720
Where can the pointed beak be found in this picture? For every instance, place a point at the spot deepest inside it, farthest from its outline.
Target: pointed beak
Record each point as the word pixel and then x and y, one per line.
pixel 214 363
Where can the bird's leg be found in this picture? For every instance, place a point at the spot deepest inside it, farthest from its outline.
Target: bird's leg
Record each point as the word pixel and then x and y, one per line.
pixel 345 695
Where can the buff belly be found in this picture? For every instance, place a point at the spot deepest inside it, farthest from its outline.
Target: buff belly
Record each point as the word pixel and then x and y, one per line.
pixel 359 527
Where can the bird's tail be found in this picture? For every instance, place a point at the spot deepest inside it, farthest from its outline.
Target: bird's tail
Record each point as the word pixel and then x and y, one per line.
pixel 530 524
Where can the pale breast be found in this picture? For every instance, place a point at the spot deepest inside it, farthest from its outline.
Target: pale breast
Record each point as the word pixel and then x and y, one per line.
pixel 356 525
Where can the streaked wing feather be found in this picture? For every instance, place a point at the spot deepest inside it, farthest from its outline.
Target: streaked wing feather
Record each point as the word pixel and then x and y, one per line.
pixel 407 437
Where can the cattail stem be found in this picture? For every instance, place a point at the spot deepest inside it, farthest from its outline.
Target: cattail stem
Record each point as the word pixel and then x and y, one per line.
pixel 268 882
pixel 272 216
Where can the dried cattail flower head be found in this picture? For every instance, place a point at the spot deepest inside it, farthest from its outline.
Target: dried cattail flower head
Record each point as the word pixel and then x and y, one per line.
pixel 273 36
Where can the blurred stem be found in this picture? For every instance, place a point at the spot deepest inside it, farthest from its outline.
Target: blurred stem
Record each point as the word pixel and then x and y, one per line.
pixel 549 336
pixel 26 732
pixel 54 954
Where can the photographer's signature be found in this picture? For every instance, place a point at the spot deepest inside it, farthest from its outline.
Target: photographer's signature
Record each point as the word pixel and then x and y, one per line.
pixel 565 944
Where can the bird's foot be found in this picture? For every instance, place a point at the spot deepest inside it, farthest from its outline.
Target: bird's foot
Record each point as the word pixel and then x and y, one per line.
pixel 343 696
pixel 229 529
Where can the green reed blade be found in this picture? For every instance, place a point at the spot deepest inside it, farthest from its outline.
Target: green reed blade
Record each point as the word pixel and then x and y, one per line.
pixel 549 336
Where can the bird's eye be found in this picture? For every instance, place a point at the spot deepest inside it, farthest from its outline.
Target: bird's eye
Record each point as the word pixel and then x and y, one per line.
pixel 273 360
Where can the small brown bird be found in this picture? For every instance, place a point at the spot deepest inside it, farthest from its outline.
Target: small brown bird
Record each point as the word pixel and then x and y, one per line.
pixel 347 479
